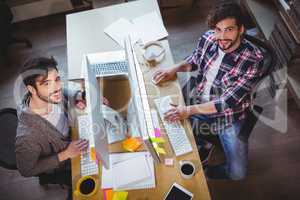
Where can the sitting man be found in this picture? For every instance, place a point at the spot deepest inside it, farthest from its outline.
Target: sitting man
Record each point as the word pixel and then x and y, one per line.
pixel 43 145
pixel 228 69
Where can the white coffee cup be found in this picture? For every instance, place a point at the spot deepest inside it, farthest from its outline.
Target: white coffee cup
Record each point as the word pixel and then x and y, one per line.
pixel 187 169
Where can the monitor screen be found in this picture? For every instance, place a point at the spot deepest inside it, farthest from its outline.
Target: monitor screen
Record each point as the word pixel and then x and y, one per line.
pixel 93 107
pixel 139 121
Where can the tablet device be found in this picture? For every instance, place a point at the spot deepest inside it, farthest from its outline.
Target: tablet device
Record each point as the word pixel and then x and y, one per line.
pixel 177 192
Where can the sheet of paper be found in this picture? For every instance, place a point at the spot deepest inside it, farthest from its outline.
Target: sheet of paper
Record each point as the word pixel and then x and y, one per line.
pixel 150 27
pixel 106 179
pixel 130 171
pixel 107 175
pixel 121 29
pixel 149 183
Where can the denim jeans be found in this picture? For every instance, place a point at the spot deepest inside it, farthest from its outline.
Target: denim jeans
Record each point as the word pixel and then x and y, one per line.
pixel 236 151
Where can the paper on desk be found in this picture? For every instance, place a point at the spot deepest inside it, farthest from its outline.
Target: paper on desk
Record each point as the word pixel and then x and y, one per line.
pixel 130 172
pixel 107 175
pixel 150 27
pixel 121 29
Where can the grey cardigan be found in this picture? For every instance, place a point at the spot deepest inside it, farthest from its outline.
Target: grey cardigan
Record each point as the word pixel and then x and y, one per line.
pixel 38 143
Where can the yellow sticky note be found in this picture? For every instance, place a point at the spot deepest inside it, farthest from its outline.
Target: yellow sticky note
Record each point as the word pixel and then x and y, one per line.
pixel 160 150
pixel 92 154
pixel 158 140
pixel 122 195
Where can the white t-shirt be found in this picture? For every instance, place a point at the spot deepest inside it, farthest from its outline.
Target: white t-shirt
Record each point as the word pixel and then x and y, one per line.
pixel 211 75
pixel 58 119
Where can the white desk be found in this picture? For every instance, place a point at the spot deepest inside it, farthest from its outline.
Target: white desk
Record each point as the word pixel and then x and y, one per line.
pixel 85 30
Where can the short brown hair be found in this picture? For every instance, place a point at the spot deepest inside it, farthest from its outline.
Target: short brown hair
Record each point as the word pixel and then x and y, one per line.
pixel 224 10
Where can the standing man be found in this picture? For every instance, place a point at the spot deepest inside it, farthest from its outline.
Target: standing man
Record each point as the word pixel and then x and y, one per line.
pixel 228 69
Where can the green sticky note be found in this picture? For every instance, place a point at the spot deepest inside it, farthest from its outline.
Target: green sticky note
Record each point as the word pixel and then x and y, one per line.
pixel 160 150
pixel 122 195
pixel 158 140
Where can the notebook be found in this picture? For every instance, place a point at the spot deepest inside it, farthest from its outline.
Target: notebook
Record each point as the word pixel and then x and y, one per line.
pixel 140 176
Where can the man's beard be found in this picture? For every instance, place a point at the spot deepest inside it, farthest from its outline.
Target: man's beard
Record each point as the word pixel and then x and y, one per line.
pixel 233 42
pixel 47 99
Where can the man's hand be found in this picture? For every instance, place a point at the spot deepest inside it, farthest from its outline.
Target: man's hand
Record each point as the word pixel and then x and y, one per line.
pixel 80 101
pixel 74 149
pixel 105 101
pixel 163 75
pixel 177 113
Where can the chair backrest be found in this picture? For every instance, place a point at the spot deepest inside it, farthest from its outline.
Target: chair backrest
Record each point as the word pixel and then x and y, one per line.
pixel 269 63
pixel 8 127
pixel 268 52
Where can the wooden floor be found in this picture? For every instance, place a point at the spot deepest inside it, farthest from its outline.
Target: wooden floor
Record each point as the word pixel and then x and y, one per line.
pixel 274 159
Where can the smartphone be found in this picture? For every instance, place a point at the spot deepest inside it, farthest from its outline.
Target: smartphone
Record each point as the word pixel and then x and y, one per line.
pixel 177 192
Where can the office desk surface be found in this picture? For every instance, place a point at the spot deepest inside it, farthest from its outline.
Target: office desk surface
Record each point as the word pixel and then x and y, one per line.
pixel 85 35
pixel 85 30
pixel 165 175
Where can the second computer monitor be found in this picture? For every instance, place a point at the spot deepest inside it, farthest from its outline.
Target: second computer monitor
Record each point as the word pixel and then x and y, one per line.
pixel 94 101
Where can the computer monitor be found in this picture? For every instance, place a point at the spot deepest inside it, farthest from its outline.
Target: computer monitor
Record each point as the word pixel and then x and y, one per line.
pixel 93 108
pixel 139 115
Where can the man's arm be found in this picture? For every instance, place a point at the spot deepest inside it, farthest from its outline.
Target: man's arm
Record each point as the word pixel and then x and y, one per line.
pixel 191 63
pixel 30 162
pixel 163 75
pixel 183 112
pixel 236 92
pixel 28 159
pixel 232 96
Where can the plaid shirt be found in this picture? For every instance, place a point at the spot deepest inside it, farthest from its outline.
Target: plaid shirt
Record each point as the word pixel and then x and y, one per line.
pixel 238 74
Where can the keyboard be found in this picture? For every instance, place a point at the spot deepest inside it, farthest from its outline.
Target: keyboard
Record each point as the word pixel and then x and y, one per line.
pixel 88 166
pixel 175 131
pixel 111 68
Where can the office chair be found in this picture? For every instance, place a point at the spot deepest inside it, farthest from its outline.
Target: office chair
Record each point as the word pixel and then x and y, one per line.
pixel 269 63
pixel 9 123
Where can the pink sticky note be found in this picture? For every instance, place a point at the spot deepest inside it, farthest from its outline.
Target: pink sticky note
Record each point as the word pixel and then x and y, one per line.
pixel 157 132
pixel 169 161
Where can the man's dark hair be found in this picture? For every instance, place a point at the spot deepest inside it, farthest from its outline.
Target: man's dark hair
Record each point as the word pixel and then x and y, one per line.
pixel 224 10
pixel 36 67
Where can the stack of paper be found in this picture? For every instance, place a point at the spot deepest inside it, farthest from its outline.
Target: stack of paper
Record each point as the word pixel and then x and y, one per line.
pixel 121 29
pixel 129 171
pixel 148 27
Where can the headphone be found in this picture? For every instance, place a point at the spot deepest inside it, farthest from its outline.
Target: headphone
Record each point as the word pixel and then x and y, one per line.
pixel 154 52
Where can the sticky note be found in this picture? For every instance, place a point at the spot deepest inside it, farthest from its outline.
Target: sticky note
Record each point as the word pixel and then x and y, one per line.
pixel 160 150
pixel 157 132
pixel 158 140
pixel 169 161
pixel 108 194
pixel 122 195
pixel 93 154
pixel 131 144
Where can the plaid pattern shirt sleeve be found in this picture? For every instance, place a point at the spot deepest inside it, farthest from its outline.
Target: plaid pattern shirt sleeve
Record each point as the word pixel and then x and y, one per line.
pixel 195 58
pixel 240 88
